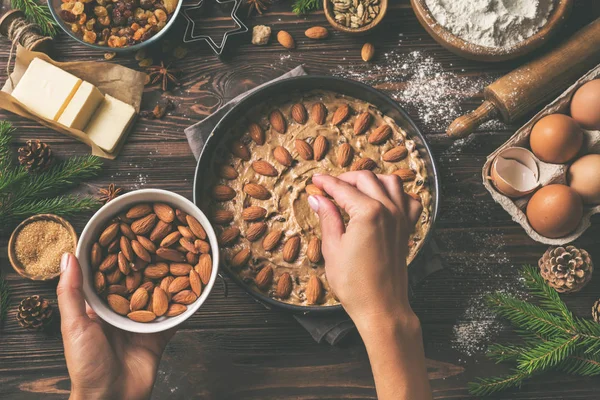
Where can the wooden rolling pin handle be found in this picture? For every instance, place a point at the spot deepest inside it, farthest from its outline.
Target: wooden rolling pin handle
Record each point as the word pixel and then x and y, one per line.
pixel 463 126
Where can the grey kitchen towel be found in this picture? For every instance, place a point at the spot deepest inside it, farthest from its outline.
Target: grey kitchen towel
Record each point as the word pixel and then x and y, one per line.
pixel 332 327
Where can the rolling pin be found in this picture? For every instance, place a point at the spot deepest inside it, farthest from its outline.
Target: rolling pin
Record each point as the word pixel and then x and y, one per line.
pixel 522 90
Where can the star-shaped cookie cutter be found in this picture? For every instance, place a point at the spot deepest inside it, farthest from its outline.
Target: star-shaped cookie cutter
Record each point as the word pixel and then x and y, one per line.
pixel 218 48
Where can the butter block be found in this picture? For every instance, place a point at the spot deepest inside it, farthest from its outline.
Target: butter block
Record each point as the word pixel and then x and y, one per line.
pixel 109 123
pixel 82 106
pixel 46 89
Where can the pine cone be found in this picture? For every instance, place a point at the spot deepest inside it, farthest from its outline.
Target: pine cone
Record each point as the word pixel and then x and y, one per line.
pixel 35 156
pixel 34 313
pixel 596 311
pixel 566 269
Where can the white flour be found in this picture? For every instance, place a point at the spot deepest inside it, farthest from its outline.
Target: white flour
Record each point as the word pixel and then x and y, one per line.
pixel 491 23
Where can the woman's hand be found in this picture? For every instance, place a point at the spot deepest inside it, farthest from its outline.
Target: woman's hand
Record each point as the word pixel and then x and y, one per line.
pixel 103 362
pixel 365 263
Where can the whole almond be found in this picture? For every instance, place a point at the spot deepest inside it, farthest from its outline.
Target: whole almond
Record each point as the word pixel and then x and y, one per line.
pixel 144 225
pixel 192 258
pixel 405 174
pixel 123 218
pixel 291 249
pixel 170 239
pixel 170 254
pixel 257 191
pixel 189 246
pixel 165 283
pixel 240 150
pixel 126 231
pixel 160 302
pixel 99 282
pixel 133 281
pixel 113 247
pixel 161 230
pixel 396 154
pixel 175 310
pixel 264 168
pixel 284 286
pixel 109 234
pixel 195 283
pixel 180 283
pixel 96 255
pixel 138 264
pixel 202 246
pixel 223 193
pixel 121 290
pixel 180 215
pixel 241 258
pixel 139 299
pixel 148 285
pixel 113 277
pixel 341 114
pixel 364 163
pixel 255 231
pixel 196 227
pixel 118 304
pixel 321 146
pixel 304 149
pixel 264 277
pixel 278 121
pixel 185 297
pixel 228 236
pixel 123 263
pixel 147 244
pixel 283 156
pixel 140 251
pixel 109 263
pixel 138 211
pixel 186 232
pixel 204 268
pixel 180 269
pixel 257 133
pixel 313 190
pixel 345 154
pixel 380 134
pixel 367 52
pixel 222 217
pixel 316 32
pixel 156 271
pixel 313 251
pixel 319 113
pixel 314 290
pixel 362 122
pixel 272 239
pixel 286 40
pixel 253 213
pixel 299 113
pixel 141 316
pixel 164 212
pixel 228 172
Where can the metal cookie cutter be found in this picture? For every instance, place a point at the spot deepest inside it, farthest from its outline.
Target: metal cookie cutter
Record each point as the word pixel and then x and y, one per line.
pixel 218 48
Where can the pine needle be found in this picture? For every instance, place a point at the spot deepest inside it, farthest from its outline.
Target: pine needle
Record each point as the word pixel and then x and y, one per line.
pixel 62 205
pixel 487 386
pixel 306 6
pixel 4 299
pixel 39 14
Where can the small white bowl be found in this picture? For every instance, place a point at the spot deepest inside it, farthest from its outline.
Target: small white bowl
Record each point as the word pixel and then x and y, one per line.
pixel 91 233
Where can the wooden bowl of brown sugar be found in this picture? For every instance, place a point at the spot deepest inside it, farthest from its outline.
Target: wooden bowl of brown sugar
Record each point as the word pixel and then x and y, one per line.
pixel 37 245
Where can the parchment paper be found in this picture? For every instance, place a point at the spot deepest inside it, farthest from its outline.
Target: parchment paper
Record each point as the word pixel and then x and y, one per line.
pixel 120 82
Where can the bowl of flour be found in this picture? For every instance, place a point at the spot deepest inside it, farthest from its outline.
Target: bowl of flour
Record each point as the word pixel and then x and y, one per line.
pixel 491 30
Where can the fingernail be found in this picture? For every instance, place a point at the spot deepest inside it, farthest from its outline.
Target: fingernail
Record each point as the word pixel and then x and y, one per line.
pixel 313 202
pixel 64 262
pixel 317 174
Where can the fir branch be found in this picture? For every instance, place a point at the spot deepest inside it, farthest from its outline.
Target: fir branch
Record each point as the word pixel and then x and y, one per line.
pixel 487 386
pixel 39 14
pixel 548 297
pixel 306 6
pixel 6 130
pixel 548 354
pixel 62 205
pixel 501 353
pixel 581 365
pixel 4 299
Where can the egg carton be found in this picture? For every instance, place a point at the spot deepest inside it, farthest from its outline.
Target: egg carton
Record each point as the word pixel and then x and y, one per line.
pixel 548 173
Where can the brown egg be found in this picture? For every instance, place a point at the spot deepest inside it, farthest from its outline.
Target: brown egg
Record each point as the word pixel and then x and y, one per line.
pixel 556 139
pixel 585 105
pixel 584 178
pixel 554 211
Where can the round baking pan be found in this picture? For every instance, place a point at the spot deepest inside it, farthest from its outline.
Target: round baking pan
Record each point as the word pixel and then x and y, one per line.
pixel 303 84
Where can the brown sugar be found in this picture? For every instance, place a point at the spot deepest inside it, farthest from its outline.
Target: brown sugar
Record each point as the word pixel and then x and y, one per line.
pixel 40 245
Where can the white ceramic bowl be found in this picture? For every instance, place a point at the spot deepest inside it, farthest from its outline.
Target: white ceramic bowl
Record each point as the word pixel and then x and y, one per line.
pixel 91 233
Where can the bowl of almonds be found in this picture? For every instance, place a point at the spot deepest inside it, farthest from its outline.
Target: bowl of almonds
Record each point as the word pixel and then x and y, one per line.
pixel 149 260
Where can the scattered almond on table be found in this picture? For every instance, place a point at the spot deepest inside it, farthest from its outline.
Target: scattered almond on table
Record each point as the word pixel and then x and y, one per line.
pixel 286 40
pixel 367 52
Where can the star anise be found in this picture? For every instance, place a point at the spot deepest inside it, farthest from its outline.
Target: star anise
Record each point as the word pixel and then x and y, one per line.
pixel 109 193
pixel 258 5
pixel 165 75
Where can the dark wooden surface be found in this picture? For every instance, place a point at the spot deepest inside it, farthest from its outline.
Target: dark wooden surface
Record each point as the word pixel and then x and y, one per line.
pixel 234 348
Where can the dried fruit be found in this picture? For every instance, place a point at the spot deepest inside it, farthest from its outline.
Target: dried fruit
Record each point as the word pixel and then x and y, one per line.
pixel 286 40
pixel 283 156
pixel 223 193
pixel 253 213
pixel 319 113
pixel 272 239
pixel 314 290
pixel 139 299
pixel 313 251
pixel 228 236
pixel 345 154
pixel 299 113
pixel 341 114
pixel 367 52
pixel 380 134
pixel 364 163
pixel 264 168
pixel 142 316
pixel 164 212
pixel 396 154
pixel 255 231
pixel 196 227
pixel 144 225
pixel 284 286
pixel 362 122
pixel 406 174
pixel 118 304
pixel 264 277
pixel 257 191
pixel 240 150
pixel 257 133
pixel 222 217
pixel 241 258
pixel 291 249
pixel 204 268
pixel 304 149
pixel 317 32
pixel 278 121
pixel 321 146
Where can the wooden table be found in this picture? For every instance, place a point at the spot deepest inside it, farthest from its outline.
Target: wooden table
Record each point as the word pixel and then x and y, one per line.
pixel 234 348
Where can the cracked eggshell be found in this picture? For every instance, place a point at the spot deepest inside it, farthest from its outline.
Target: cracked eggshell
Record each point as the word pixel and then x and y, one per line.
pixel 515 172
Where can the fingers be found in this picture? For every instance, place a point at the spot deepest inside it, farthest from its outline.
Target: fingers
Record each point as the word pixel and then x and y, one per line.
pixel 395 190
pixel 70 294
pixel 414 210
pixel 367 182
pixel 352 200
pixel 332 225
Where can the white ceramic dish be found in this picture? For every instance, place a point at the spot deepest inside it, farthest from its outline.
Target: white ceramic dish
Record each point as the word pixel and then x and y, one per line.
pixel 92 231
